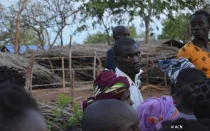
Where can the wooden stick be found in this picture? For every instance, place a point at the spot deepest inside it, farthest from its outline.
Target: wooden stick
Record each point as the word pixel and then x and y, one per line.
pixel 70 67
pixel 100 63
pixel 63 72
pixel 165 80
pixel 29 74
pixel 72 86
pixel 94 68
pixel 51 65
pixel 147 71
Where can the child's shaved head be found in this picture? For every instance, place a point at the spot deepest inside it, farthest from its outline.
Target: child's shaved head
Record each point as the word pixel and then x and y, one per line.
pixel 110 115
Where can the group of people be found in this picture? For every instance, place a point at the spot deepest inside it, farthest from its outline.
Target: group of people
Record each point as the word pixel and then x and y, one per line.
pixel 118 105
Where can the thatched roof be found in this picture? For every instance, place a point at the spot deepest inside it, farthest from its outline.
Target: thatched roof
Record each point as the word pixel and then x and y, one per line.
pixel 41 75
pixel 78 50
pixel 88 50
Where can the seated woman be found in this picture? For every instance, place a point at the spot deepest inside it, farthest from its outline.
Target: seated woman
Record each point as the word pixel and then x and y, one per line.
pixel 198 50
pixel 110 86
pixel 152 112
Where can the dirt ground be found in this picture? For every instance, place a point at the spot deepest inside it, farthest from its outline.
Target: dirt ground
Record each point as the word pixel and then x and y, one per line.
pixel 83 92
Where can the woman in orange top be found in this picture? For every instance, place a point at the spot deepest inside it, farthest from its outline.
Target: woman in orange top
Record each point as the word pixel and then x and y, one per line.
pixel 198 50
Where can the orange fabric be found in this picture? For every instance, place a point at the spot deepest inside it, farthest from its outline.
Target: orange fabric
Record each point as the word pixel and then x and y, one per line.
pixel 197 56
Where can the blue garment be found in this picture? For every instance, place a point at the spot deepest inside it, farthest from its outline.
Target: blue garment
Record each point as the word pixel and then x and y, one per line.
pixel 187 116
pixel 110 62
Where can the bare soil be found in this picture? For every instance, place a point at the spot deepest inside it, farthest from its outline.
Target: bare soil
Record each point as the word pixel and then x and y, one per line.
pixel 52 95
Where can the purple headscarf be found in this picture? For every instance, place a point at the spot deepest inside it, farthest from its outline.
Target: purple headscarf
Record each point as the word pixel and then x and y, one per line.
pixel 153 111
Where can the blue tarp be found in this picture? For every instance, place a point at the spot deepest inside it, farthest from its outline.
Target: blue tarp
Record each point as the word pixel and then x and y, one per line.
pixel 23 48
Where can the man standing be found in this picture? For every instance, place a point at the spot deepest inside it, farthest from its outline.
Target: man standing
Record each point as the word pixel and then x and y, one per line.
pixel 118 32
pixel 127 58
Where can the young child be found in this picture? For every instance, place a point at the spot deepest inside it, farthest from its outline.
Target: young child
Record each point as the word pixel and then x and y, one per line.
pixel 201 100
pixel 110 86
pixel 182 124
pixel 186 81
pixel 18 111
pixel 110 115
pixel 153 111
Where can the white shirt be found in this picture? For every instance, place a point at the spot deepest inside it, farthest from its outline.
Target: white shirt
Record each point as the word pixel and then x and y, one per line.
pixel 136 95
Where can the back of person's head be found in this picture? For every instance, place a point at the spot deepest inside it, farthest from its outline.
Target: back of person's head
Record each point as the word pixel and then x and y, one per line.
pixel 18 111
pixel 108 85
pixel 120 32
pixel 122 44
pixel 202 12
pixel 182 124
pixel 191 75
pixel 153 111
pixel 200 100
pixel 110 115
pixel 186 81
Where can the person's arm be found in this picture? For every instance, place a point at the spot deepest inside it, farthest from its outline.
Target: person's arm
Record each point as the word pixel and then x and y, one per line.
pixel 110 62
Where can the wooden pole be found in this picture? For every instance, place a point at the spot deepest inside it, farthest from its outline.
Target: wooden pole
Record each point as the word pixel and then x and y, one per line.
pixel 63 72
pixel 165 80
pixel 94 68
pixel 147 71
pixel 100 63
pixel 70 67
pixel 29 74
pixel 51 65
pixel 72 86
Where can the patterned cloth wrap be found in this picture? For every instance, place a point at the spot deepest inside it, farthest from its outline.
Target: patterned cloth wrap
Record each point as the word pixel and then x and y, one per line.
pixel 173 67
pixel 107 86
pixel 153 111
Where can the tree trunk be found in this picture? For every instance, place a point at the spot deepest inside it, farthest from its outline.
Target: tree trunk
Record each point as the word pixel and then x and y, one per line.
pixel 108 37
pixel 147 24
pixel 18 27
pixel 17 34
pixel 61 37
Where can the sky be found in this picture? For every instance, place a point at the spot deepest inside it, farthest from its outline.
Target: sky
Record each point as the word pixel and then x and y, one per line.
pixel 80 37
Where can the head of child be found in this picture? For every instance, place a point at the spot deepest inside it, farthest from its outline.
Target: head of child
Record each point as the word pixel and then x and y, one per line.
pixel 201 100
pixel 110 115
pixel 186 81
pixel 153 111
pixel 110 86
pixel 182 124
pixel 18 111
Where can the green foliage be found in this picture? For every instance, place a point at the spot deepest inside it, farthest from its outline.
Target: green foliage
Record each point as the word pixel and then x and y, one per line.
pixel 176 28
pixel 29 37
pixel 64 101
pixel 100 37
pixel 97 38
pixel 60 119
pixel 133 33
pixel 75 120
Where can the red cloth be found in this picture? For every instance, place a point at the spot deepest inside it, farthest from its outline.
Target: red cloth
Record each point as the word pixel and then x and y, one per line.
pixel 108 86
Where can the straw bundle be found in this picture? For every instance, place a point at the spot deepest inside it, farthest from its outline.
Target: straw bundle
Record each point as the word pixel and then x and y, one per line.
pixel 19 65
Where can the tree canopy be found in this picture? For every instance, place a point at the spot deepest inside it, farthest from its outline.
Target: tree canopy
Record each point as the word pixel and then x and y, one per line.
pixel 177 29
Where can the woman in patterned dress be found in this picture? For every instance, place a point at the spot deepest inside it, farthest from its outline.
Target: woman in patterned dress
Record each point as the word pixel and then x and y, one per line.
pixel 198 50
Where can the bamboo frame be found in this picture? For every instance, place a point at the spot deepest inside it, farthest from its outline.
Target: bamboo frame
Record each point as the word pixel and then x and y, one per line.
pixel 63 72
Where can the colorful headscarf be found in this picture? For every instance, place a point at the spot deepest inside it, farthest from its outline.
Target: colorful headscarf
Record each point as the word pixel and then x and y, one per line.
pixel 108 86
pixel 153 111
pixel 173 67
